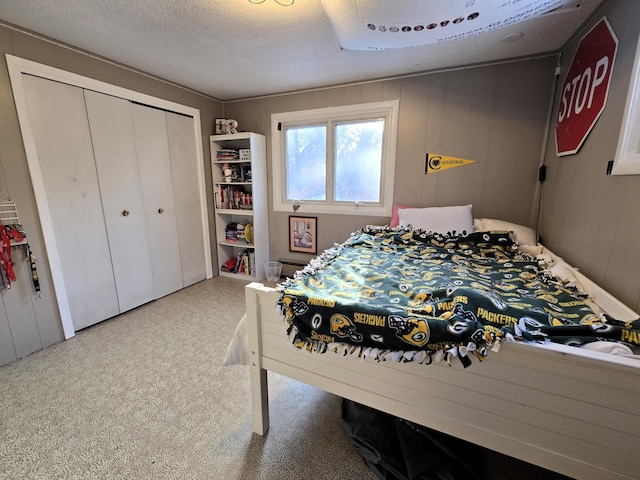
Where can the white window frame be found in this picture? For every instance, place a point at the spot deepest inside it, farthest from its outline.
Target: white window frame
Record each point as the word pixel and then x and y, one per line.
pixel 627 159
pixel 387 109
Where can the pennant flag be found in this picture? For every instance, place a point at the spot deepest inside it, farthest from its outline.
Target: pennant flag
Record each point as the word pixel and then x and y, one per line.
pixel 435 163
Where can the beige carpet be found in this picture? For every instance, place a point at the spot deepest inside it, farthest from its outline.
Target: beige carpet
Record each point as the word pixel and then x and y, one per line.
pixel 144 395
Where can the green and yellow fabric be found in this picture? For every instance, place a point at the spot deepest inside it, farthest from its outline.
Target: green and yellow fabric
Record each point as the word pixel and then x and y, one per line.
pixel 410 294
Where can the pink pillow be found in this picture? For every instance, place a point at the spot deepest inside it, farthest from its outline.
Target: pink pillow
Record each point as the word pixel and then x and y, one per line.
pixel 395 221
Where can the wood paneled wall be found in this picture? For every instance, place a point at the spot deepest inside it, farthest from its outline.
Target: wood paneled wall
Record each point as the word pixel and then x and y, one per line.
pixel 32 321
pixel 590 219
pixel 496 115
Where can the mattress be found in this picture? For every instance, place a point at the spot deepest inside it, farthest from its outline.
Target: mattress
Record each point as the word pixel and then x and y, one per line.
pixel 402 294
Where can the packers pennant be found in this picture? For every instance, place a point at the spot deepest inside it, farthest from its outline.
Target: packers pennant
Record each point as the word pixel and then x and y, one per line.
pixel 435 163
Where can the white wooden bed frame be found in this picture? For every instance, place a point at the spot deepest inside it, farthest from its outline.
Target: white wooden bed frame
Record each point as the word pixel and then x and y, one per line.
pixel 570 410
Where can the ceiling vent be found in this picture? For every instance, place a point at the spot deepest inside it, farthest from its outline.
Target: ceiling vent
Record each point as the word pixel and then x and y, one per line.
pixel 390 24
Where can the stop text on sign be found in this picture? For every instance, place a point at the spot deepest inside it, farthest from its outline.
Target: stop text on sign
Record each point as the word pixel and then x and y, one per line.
pixel 584 92
pixel 581 88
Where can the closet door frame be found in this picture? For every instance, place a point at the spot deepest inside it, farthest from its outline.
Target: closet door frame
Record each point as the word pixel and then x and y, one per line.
pixel 17 67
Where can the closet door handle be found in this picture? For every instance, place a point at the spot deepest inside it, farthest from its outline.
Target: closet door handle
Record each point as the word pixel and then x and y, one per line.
pixel 161 210
pixel 125 213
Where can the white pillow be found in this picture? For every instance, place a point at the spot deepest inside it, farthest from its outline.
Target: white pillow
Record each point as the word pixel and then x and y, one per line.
pixel 438 219
pixel 524 235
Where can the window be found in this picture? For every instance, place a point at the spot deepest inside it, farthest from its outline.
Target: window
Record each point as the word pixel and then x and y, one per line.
pixel 335 160
pixel 627 159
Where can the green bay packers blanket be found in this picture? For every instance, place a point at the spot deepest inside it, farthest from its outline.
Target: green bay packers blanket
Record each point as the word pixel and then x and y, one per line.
pixel 411 295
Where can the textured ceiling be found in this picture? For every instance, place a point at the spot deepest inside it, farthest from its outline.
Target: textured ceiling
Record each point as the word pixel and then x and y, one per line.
pixel 230 49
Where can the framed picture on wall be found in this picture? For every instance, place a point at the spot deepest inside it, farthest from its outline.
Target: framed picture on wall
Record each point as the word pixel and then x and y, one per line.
pixel 303 234
pixel 627 160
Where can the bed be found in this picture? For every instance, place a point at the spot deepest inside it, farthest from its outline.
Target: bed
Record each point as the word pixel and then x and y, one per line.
pixel 512 386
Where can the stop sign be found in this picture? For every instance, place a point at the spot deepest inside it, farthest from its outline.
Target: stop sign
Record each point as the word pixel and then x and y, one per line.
pixel 584 93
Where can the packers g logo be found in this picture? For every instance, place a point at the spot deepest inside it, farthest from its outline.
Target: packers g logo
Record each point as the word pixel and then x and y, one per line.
pixel 601 328
pixel 316 321
pixel 590 318
pixel 435 162
pixel 496 300
pixel 369 293
pixel 533 323
pixel 554 307
pixel 414 331
pixel 458 328
pixel 316 283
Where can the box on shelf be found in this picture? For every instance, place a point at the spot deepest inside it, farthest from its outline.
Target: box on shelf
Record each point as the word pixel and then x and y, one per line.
pixel 244 154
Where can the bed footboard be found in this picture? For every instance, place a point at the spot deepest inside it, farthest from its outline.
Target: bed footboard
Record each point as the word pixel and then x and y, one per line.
pixel 569 410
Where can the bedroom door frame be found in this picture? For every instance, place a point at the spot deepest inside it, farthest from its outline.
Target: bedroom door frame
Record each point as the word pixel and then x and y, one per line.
pixel 17 67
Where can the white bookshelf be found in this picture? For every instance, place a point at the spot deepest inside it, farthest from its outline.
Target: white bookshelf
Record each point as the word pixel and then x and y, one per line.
pixel 241 199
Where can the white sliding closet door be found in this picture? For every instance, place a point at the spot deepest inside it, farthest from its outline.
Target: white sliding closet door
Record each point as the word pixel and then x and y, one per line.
pixel 186 187
pixel 114 149
pixel 152 146
pixel 119 188
pixel 59 122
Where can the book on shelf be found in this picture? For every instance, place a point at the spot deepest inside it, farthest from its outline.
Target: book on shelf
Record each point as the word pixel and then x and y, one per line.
pixel 233 197
pixel 243 265
pixel 252 263
pixel 227 154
